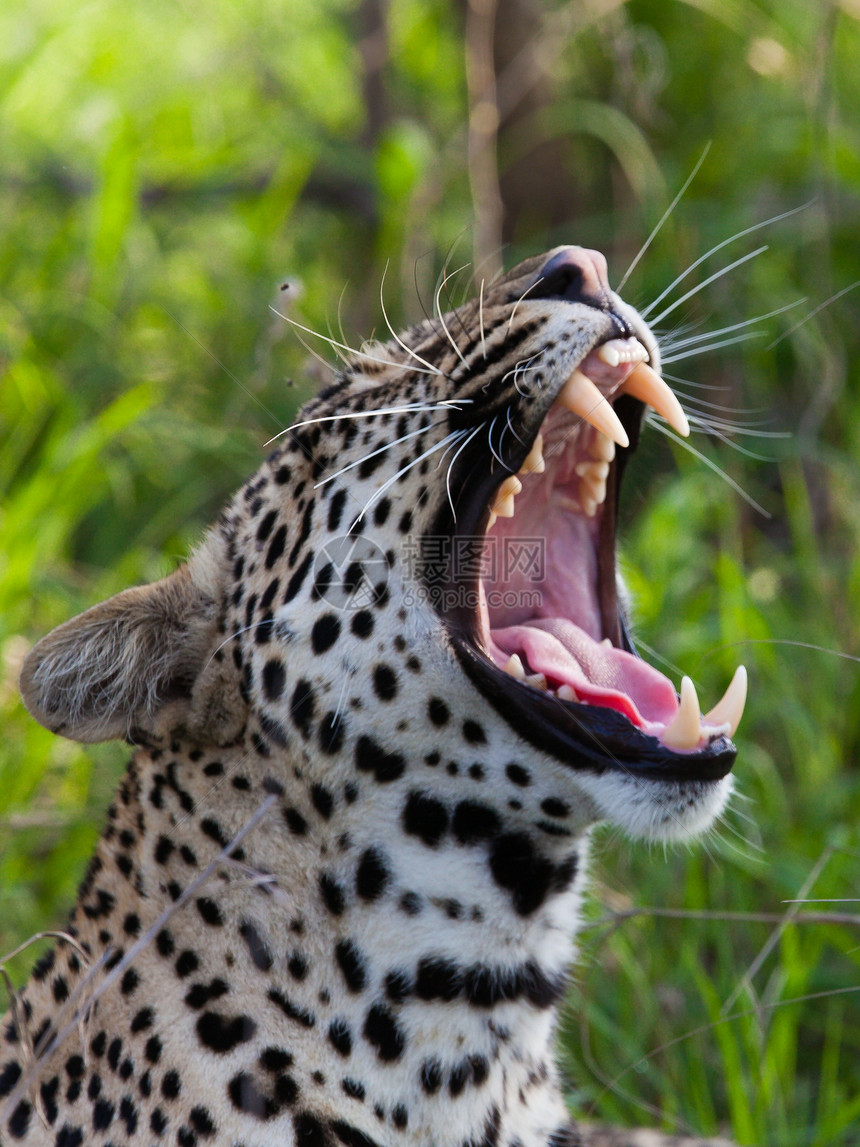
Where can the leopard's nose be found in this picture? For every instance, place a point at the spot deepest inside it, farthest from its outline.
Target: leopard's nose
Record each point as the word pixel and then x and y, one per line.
pixel 575 274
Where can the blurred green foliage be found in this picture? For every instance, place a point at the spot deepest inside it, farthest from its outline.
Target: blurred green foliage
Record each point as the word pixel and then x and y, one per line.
pixel 165 167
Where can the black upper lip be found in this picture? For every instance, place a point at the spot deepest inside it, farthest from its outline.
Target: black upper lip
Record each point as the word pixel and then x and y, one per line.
pixel 582 736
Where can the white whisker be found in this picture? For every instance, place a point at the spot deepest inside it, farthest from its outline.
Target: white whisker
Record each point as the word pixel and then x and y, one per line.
pixel 355 353
pixel 377 494
pixel 698 262
pixel 443 281
pixel 814 312
pixel 707 347
pixel 382 450
pixel 674 344
pixel 711 466
pixel 407 408
pixel 460 449
pixel 701 286
pixel 433 369
pixel 663 219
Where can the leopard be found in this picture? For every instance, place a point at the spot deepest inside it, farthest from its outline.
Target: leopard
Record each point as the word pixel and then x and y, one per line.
pixel 374 720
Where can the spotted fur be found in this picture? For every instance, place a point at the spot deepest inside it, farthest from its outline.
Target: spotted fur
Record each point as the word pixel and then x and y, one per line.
pixel 337 893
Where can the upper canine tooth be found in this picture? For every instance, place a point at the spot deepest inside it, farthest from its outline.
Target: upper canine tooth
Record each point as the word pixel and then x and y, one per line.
pixel 537 681
pixel 580 395
pixel 503 507
pixel 730 709
pixel 511 486
pixel 646 385
pixel 534 463
pixel 684 731
pixel 515 666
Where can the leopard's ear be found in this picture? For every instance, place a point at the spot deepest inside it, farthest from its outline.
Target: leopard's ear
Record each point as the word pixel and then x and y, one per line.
pixel 143 663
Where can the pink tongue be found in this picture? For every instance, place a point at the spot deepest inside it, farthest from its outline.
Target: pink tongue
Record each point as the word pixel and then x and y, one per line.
pixel 598 674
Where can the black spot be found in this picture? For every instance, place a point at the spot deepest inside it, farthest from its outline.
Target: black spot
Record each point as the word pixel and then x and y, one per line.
pixel 381 512
pixel 297 580
pixel 325 632
pixel 352 964
pixel 202 1122
pixel 20 1120
pixel 276 546
pixel 246 1096
pixel 370 757
pixel 274 679
pixel 302 707
pixel 353 1089
pixel 296 823
pixel 69 1137
pixel 163 848
pixel 292 1011
pixel 265 527
pixel 48 1095
pixel 274 730
pixel 398 986
pixel 257 948
pixel 222 1033
pixel 438 711
pixel 335 508
pixel 474 821
pixel 332 894
pixel 362 623
pixel 384 683
pixel 60 989
pixel 103 1113
pixel 142 1020
pixel 518 775
pixel 431 1076
pixel 425 817
pixel 275 1059
pixel 474 733
pixel 554 806
pixel 438 979
pixel 339 1037
pixel 152 1051
pixel 210 911
pixel 382 1031
pixel 458 1077
pixel 9 1076
pixel 372 875
pixel 309 1131
pixel 331 732
pixel 322 800
pixel 522 871
pixel 186 963
pixel 297 966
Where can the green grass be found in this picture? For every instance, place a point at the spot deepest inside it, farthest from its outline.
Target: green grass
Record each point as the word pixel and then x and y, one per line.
pixel 163 174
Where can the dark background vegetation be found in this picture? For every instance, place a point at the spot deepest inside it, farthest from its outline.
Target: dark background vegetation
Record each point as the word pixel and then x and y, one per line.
pixel 166 164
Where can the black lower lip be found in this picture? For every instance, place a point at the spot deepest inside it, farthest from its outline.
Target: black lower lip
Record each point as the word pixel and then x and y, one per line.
pixel 587 737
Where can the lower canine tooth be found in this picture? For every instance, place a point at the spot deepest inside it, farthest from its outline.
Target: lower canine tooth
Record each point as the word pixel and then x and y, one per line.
pixel 730 709
pixel 601 447
pixel 685 729
pixel 565 693
pixel 515 667
pixel 537 681
pixel 581 396
pixel 646 385
pixel 534 463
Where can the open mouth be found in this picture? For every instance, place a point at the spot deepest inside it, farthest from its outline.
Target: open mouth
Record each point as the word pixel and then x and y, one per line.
pixel 544 637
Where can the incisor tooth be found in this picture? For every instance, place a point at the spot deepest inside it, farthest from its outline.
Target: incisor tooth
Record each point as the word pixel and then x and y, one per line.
pixel 515 667
pixel 566 693
pixel 534 463
pixel 621 350
pixel 580 395
pixel 503 507
pixel 685 729
pixel 730 709
pixel 601 447
pixel 646 385
pixel 537 681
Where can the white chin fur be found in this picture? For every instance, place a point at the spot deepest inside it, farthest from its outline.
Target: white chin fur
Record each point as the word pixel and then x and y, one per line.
pixel 661 810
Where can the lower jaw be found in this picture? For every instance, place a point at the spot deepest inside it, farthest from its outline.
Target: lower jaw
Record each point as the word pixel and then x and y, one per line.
pixel 587 737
